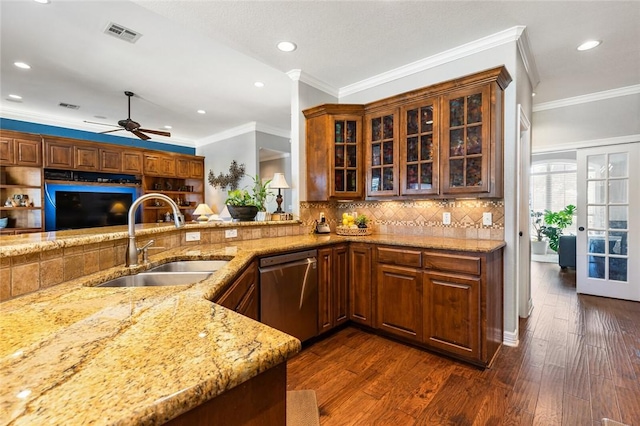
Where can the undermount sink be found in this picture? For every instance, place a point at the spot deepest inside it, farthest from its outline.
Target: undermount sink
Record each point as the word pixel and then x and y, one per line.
pixel 154 279
pixel 191 266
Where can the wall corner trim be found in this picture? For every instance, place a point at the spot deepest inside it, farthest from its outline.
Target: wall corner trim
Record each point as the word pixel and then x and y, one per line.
pixel 510 338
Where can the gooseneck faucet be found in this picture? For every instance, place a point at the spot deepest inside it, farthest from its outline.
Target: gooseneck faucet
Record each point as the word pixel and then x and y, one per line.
pixel 131 256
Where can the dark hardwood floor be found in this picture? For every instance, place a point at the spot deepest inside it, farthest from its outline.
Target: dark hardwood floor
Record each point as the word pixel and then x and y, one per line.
pixel 578 362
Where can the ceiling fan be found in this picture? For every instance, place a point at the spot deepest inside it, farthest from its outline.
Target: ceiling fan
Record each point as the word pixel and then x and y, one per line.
pixel 132 126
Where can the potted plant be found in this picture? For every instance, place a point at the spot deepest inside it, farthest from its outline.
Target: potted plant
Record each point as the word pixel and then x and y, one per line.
pixel 244 205
pixel 556 222
pixel 362 221
pixel 539 245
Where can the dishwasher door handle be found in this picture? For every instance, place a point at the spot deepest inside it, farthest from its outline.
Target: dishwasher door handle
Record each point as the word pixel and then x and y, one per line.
pixel 305 280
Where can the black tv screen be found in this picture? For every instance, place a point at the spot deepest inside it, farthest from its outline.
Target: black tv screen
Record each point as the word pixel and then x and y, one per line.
pixel 76 209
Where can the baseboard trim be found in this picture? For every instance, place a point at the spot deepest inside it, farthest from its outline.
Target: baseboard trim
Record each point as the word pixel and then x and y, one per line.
pixel 510 338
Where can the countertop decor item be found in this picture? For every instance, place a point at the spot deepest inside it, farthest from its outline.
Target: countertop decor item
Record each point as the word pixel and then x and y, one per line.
pixel 353 232
pixel 203 212
pixel 3 222
pixel 279 182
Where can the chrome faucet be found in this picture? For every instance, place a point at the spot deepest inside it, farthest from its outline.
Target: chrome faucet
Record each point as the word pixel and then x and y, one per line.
pixel 131 256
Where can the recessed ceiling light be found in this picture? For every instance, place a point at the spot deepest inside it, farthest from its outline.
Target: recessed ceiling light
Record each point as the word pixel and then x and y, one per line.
pixel 15 96
pixel 287 46
pixel 258 84
pixel 22 65
pixel 42 1
pixel 590 44
pixel 168 127
pixel 533 94
pixel 201 111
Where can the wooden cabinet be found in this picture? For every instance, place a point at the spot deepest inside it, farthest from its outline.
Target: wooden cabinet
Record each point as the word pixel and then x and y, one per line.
pixel 242 295
pixel 382 153
pixel 335 168
pixel 132 162
pixel 441 141
pixel 86 158
pixel 20 150
pixel 360 284
pixel 21 199
pixel 463 304
pixel 159 165
pixel 58 154
pixel 332 287
pixel 399 292
pixel 419 148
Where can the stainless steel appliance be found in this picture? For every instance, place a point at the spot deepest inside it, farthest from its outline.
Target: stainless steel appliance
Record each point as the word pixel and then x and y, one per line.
pixel 289 293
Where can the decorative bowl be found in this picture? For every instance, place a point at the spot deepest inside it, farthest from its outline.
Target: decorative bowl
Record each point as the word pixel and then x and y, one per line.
pixel 3 222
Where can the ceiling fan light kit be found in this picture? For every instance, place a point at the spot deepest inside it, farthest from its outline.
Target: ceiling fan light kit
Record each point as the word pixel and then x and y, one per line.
pixel 132 126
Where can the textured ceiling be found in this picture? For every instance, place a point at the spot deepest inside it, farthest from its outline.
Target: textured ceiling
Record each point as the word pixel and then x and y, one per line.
pixel 207 54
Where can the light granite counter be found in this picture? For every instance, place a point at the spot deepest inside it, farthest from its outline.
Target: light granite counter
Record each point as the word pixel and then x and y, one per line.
pixel 77 354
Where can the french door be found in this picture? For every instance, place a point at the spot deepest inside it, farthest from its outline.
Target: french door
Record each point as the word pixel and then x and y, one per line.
pixel 608 241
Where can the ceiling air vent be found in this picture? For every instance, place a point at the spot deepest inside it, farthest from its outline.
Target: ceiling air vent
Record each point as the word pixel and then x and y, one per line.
pixel 70 106
pixel 121 32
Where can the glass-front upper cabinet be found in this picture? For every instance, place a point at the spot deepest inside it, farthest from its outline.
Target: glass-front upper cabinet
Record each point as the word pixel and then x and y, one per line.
pixel 419 144
pixel 335 154
pixel 466 144
pixel 382 151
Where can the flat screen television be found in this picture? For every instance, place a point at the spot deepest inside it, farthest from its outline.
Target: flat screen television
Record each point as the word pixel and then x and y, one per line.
pixel 86 206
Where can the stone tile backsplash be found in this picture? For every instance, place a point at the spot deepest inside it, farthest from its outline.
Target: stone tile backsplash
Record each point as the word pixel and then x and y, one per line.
pixel 411 217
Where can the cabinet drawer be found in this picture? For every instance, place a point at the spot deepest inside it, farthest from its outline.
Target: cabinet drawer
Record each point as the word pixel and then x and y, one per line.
pixel 400 257
pixel 453 263
pixel 233 296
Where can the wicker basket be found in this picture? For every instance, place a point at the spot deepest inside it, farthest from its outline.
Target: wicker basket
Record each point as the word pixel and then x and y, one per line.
pixel 353 232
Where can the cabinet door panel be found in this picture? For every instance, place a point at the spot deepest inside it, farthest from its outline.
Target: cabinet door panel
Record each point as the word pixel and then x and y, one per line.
pixel 86 158
pixel 110 160
pixel 182 167
pixel 381 136
pixel 360 289
pixel 419 146
pixel 58 155
pixel 399 301
pixel 325 278
pixel 346 179
pixel 28 153
pixel 196 169
pixel 340 287
pixel 452 313
pixel 6 151
pixel 131 162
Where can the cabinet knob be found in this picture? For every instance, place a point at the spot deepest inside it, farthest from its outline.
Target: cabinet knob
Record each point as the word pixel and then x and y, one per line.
pixel 581 228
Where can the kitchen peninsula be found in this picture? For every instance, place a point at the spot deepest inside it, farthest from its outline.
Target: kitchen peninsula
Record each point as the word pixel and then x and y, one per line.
pixel 73 352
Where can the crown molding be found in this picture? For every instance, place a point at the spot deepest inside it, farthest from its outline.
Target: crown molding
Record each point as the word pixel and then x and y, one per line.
pixel 591 97
pixel 506 36
pixel 299 75
pixel 572 146
pixel 524 47
pixel 250 127
pixel 51 120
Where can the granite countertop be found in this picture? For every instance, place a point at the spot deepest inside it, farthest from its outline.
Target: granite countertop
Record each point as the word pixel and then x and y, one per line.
pixel 79 354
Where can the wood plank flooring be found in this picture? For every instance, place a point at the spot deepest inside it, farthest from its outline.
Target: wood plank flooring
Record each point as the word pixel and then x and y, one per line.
pixel 578 362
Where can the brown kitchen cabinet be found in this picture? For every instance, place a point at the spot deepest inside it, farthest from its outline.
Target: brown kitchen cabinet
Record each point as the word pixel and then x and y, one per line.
pixel 335 166
pixel 132 162
pixel 242 295
pixel 399 292
pixel 381 141
pixel 463 312
pixel 419 148
pixel 360 284
pixel 17 149
pixel 187 193
pixel 159 165
pixel 21 199
pixel 333 276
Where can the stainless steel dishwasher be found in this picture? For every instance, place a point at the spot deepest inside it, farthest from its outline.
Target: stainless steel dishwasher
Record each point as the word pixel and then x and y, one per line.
pixel 289 293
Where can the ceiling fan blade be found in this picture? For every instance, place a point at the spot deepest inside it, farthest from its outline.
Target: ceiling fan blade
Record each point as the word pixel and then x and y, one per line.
pixel 111 131
pixel 101 124
pixel 156 132
pixel 140 135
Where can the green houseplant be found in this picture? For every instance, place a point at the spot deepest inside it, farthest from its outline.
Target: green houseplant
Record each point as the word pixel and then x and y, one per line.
pixel 244 204
pixel 556 222
pixel 539 245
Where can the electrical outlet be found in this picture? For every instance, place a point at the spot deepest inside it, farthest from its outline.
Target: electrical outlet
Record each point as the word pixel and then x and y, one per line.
pixel 192 236
pixel 446 218
pixel 231 233
pixel 487 219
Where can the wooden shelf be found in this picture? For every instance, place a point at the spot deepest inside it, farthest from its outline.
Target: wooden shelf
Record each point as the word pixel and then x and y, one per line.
pixel 18 186
pixel 19 208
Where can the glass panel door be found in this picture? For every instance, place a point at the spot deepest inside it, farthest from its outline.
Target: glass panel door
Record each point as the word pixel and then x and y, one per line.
pixel 382 153
pixel 346 176
pixel 419 149
pixel 608 238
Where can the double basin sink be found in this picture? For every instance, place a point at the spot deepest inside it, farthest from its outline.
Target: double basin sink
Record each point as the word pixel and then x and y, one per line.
pixel 173 273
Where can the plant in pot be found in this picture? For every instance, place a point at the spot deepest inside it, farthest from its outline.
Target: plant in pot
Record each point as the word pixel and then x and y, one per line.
pixel 539 245
pixel 362 221
pixel 241 205
pixel 260 195
pixel 556 223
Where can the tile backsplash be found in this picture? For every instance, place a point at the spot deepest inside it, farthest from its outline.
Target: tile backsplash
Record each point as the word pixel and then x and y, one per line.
pixel 412 217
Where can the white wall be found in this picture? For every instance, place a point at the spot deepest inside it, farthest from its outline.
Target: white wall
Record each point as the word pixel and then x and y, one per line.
pixel 218 157
pixel 281 165
pixel 572 126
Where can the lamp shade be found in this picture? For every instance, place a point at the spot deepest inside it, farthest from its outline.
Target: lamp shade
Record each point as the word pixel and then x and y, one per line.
pixel 278 181
pixel 203 211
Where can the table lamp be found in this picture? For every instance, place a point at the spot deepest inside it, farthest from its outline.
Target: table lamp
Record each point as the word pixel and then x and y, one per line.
pixel 202 211
pixel 279 182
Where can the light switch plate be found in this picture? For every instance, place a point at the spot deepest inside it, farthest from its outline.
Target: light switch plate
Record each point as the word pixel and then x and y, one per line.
pixel 446 218
pixel 192 236
pixel 231 233
pixel 487 219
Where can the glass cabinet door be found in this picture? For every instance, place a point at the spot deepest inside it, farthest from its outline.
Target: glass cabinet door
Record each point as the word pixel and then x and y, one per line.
pixel 346 157
pixel 419 149
pixel 465 149
pixel 382 153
